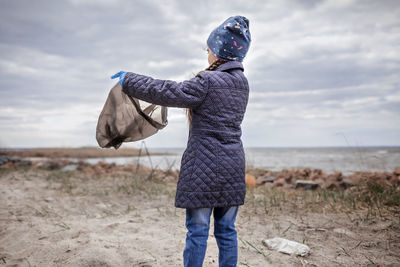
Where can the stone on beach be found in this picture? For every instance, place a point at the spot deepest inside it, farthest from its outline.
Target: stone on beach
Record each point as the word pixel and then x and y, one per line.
pixel 317 174
pixel 306 185
pixel 337 175
pixel 279 182
pixel 346 183
pixel 70 167
pixel 331 185
pixel 286 175
pixel 265 179
pixel 305 178
pixel 10 160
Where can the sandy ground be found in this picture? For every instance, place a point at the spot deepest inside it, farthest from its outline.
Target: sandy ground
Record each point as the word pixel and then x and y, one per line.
pixel 53 218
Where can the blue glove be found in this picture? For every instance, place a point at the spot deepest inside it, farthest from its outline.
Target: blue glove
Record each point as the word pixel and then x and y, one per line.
pixel 121 76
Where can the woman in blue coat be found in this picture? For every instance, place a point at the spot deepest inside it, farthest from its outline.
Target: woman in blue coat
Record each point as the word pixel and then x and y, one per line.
pixel 212 173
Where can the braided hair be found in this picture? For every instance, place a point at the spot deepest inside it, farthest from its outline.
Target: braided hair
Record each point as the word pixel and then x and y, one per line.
pixel 216 63
pixel 212 66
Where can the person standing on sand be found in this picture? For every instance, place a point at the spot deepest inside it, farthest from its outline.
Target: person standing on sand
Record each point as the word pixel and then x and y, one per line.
pixel 212 172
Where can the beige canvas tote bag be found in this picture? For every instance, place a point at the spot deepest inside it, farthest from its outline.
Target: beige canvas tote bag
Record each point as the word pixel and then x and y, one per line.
pixel 127 119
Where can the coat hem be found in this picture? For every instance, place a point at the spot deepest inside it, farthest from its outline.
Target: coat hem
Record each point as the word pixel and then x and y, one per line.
pixel 226 198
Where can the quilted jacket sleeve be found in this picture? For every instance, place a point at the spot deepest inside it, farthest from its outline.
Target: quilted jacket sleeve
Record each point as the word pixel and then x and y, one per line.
pixel 186 94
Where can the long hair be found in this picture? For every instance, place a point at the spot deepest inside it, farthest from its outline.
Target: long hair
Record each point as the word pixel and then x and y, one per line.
pixel 213 66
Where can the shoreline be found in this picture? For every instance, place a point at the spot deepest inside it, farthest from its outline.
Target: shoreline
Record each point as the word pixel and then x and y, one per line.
pixel 80 153
pixel 289 178
pixel 346 160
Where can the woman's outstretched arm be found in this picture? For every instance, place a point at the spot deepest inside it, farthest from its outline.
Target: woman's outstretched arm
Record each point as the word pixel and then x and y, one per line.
pixel 186 94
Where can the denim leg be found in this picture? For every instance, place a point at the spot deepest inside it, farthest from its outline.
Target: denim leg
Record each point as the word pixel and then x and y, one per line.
pixel 226 236
pixel 198 225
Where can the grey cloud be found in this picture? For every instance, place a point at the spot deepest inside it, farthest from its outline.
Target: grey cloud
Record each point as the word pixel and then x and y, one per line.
pixel 321 65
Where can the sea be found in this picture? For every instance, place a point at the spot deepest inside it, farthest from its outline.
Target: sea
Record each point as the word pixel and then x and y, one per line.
pixel 329 159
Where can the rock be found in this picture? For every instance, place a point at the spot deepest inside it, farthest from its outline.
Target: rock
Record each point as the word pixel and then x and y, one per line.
pixel 51 165
pixel 315 176
pixel 331 185
pixel 128 168
pixel 87 170
pixel 306 185
pixel 25 163
pixel 346 183
pixel 6 159
pixel 3 159
pixel 319 181
pixel 265 179
pixel 395 180
pixel 250 180
pixel 269 179
pixel 14 159
pixel 99 169
pixel 258 172
pixel 337 176
pixel 305 172
pixel 279 182
pixel 318 171
pixel 388 175
pixel 379 177
pixel 286 175
pixel 71 167
pixel 396 171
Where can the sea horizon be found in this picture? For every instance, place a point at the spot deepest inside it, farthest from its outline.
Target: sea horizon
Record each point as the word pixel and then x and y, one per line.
pixel 183 147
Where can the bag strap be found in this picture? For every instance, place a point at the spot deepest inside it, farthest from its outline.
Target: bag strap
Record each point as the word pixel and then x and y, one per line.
pixel 147 117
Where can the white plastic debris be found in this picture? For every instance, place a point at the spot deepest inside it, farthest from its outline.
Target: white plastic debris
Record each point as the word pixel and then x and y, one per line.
pixel 286 246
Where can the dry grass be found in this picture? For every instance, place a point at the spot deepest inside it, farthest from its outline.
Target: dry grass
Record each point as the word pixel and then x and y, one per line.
pixel 377 200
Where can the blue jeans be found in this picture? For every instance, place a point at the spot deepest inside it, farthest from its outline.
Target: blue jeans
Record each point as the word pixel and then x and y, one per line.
pixel 198 224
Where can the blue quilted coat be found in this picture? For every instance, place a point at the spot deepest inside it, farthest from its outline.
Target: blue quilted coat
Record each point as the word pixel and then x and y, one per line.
pixel 212 172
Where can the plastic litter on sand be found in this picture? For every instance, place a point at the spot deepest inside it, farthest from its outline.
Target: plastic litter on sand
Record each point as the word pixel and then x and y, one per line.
pixel 286 246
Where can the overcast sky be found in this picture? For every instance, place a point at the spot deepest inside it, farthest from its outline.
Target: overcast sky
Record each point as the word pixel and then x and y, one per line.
pixel 321 73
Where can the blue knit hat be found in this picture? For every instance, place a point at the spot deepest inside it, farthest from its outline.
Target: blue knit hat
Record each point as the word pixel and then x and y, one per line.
pixel 231 39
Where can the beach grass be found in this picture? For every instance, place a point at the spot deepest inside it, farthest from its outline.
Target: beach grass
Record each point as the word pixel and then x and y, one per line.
pixel 370 198
pixel 376 199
